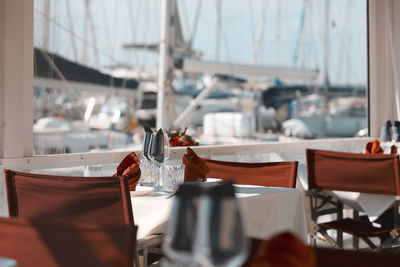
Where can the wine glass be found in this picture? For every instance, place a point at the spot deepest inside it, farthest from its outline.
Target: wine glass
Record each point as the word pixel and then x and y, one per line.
pixel 146 165
pixel 159 152
pixel 220 236
pixel 146 142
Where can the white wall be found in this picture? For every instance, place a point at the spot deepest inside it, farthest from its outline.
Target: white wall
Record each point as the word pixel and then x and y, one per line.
pixel 384 31
pixel 16 78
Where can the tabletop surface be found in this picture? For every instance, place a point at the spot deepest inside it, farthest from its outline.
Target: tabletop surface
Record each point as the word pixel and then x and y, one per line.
pixel 265 211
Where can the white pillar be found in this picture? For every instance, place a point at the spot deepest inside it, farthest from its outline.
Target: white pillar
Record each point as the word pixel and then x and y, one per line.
pixel 165 97
pixel 16 78
pixel 382 101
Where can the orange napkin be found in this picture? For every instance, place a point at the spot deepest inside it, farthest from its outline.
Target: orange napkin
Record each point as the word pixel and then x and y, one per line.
pixel 283 250
pixel 373 147
pixel 129 167
pixel 195 167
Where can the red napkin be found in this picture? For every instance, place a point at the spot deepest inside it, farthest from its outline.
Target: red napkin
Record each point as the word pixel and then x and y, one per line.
pixel 129 167
pixel 373 147
pixel 283 250
pixel 195 167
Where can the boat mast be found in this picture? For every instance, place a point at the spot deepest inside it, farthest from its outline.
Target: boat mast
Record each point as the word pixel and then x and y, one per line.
pixel 326 43
pixel 165 100
pixel 46 24
pixel 218 29
pixel 278 31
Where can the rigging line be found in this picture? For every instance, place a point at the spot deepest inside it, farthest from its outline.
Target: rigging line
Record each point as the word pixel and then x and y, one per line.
pixel 108 40
pixel 107 55
pixel 260 33
pixel 300 35
pixel 195 22
pixel 92 32
pixel 278 31
pixel 115 22
pixel 310 30
pixel 133 27
pixel 57 70
pixel 252 30
pixel 185 18
pixel 225 39
pixel 71 26
pixel 138 15
pixel 349 39
pixel 344 44
pixel 394 59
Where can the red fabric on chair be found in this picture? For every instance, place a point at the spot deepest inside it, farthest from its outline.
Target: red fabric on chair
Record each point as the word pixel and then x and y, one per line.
pixel 130 168
pixel 282 250
pixel 366 173
pixel 101 200
pixel 279 174
pixel 52 244
pixel 195 167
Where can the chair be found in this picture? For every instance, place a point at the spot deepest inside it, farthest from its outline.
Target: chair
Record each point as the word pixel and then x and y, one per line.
pixel 54 244
pixel 278 174
pixel 364 173
pixel 101 200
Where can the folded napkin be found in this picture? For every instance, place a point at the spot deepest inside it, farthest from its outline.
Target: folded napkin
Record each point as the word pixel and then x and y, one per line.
pixel 195 167
pixel 373 147
pixel 283 250
pixel 129 167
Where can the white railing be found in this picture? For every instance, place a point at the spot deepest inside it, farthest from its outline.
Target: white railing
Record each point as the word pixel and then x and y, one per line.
pixel 263 152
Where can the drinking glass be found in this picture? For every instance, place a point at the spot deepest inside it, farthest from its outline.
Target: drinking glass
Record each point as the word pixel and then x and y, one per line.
pixel 173 176
pixel 220 236
pixel 158 153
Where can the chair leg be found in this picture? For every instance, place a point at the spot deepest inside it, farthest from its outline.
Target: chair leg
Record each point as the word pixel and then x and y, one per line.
pixel 369 242
pixel 355 238
pixel 339 234
pixel 329 238
pixel 145 254
pixel 137 260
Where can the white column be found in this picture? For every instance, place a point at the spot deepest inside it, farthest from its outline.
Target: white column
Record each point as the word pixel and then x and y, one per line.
pixel 165 97
pixel 382 96
pixel 16 78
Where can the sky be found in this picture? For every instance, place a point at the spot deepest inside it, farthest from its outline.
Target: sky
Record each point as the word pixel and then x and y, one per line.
pixel 118 22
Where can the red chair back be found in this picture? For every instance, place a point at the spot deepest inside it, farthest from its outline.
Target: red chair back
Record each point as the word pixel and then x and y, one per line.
pixel 100 200
pixel 279 174
pixel 52 244
pixel 367 173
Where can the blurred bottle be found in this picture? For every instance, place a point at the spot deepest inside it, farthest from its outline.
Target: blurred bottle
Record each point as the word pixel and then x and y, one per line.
pixel 220 238
pixel 386 133
pixel 396 130
pixel 181 230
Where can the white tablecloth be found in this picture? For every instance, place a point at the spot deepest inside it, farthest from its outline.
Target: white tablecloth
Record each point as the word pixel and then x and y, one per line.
pixel 372 204
pixel 266 211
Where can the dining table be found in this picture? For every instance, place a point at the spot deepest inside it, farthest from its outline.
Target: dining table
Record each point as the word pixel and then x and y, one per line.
pixel 265 211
